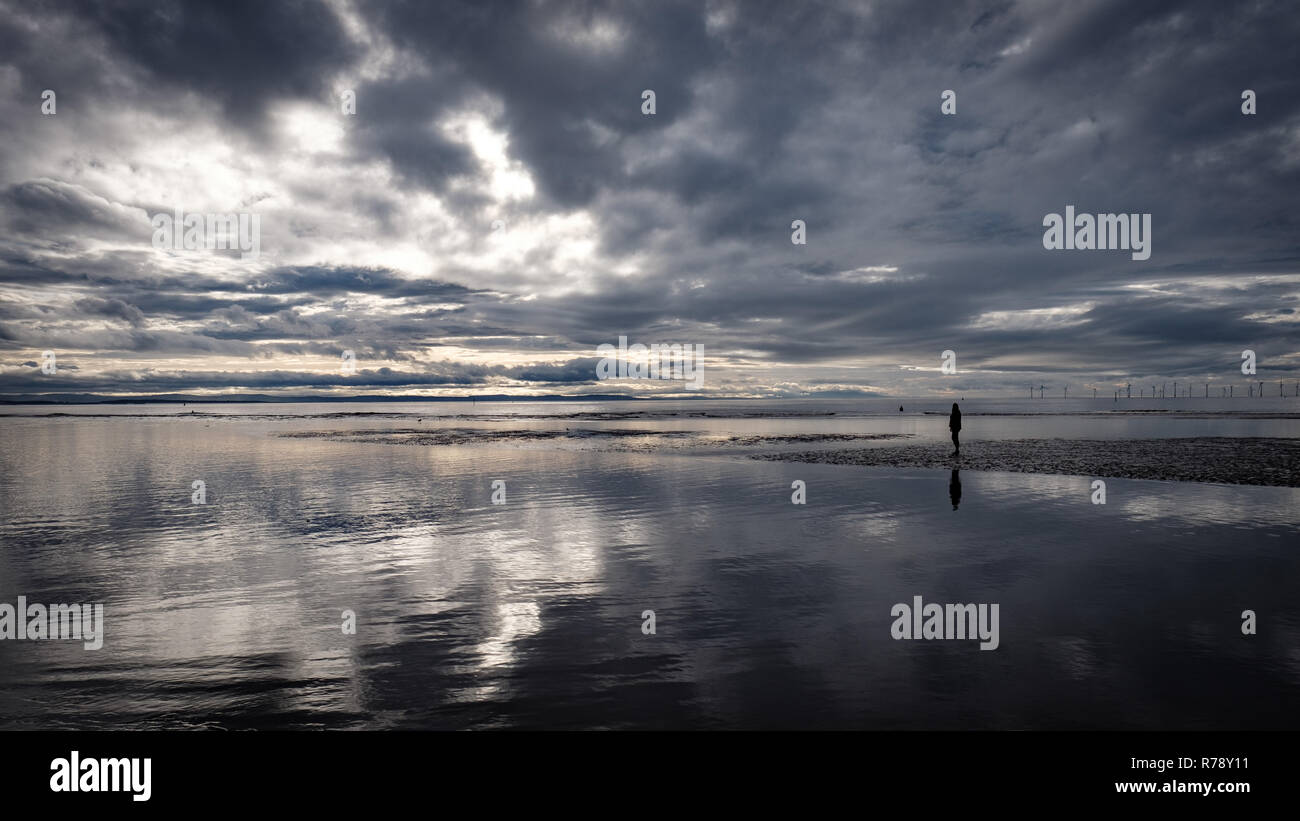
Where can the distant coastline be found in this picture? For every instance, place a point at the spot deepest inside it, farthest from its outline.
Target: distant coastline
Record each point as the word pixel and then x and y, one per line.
pixel 169 398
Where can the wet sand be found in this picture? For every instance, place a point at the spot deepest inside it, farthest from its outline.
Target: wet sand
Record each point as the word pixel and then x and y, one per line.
pixel 1263 461
pixel 771 615
pixel 470 436
pixel 1220 460
pixel 652 439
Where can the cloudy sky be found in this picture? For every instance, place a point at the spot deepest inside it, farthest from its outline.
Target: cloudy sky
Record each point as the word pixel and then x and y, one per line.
pixel 499 204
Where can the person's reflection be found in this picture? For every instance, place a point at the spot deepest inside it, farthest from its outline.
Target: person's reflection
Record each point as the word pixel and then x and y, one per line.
pixel 954 489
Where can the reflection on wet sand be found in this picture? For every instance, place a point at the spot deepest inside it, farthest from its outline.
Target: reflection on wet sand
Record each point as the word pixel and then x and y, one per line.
pixel 528 614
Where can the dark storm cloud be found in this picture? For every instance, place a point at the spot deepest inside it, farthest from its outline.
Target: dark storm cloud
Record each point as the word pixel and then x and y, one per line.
pixel 442 374
pixel 553 90
pixel 267 292
pixel 577 370
pixel 111 309
pixel 239 53
pixel 66 215
pixel 398 123
pixel 322 281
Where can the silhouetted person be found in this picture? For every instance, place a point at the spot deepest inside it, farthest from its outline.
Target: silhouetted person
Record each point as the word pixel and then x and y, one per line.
pixel 954 425
pixel 900 408
pixel 954 489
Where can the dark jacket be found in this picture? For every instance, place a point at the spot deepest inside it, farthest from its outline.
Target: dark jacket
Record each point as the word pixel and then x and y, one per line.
pixel 954 421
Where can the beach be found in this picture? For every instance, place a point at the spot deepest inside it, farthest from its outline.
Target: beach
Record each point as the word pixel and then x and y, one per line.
pixel 1239 461
pixel 528 613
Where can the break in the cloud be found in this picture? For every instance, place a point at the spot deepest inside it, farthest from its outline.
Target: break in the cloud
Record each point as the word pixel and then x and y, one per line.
pixel 499 205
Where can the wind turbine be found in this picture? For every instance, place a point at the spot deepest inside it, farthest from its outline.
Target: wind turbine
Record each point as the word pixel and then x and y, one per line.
pixel 1041 388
